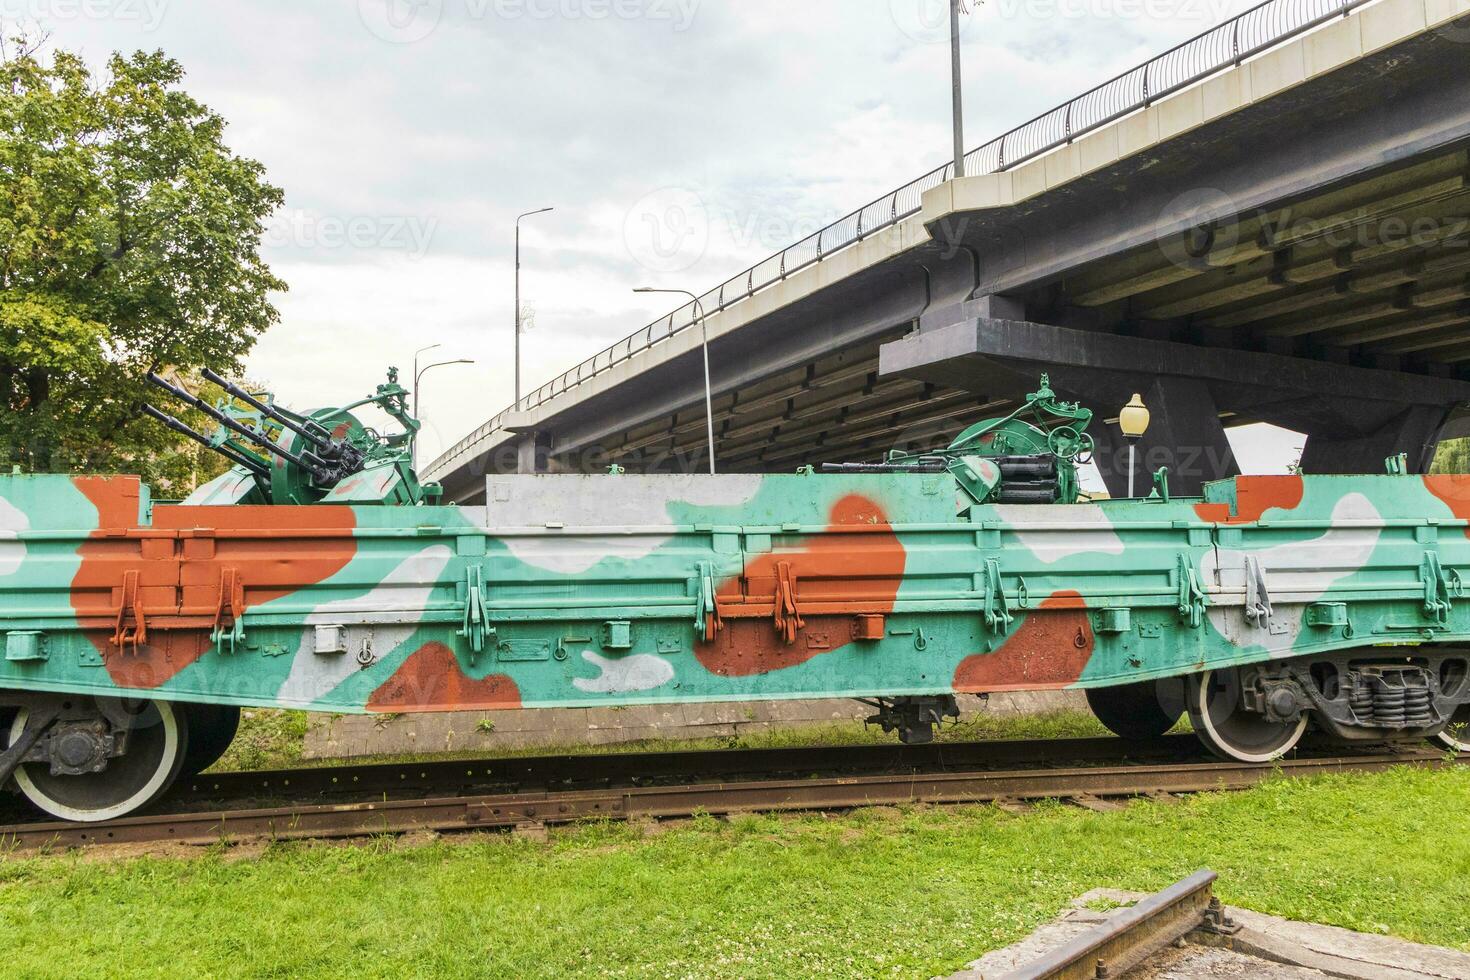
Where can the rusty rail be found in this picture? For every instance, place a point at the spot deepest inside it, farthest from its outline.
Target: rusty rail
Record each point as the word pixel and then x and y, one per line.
pixel 1130 936
pixel 509 810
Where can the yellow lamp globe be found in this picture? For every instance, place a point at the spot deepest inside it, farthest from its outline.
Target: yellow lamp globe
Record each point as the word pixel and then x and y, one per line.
pixel 1133 420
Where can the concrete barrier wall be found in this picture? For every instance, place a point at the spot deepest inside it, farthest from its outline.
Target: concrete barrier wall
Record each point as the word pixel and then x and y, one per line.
pixel 343 736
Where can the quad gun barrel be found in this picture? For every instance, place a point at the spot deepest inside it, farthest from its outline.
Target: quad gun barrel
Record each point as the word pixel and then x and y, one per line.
pixel 285 457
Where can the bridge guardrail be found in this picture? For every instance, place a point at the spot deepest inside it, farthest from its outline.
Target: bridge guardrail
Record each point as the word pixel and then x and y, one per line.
pixel 1224 46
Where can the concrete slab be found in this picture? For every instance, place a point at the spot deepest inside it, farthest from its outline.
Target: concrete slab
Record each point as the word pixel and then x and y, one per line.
pixel 1382 956
pixel 1344 953
pixel 345 736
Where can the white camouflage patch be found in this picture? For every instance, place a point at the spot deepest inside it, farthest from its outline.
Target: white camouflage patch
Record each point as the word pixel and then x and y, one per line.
pixel 1297 574
pixel 12 550
pixel 406 589
pixel 1055 532
pixel 637 672
pixel 638 512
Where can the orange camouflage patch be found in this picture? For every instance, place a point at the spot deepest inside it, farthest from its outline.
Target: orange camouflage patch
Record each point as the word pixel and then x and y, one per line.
pixel 431 679
pixel 1050 649
pixel 854 568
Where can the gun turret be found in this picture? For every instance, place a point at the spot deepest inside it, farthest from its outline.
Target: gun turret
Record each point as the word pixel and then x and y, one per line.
pixel 286 457
pixel 1029 456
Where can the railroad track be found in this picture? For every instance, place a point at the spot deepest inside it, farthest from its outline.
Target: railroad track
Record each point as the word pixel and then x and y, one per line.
pixel 540 791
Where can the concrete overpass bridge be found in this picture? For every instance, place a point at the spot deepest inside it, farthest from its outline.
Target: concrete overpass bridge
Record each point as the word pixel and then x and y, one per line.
pixel 1270 222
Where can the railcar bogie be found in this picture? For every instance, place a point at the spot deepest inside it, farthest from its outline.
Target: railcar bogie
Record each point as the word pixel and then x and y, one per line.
pixel 90 759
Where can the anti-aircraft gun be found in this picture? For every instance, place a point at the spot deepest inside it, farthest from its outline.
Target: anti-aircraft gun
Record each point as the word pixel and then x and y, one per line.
pixel 1029 456
pixel 325 456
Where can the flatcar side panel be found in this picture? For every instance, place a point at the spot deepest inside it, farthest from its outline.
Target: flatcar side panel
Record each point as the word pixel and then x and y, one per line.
pixel 582 590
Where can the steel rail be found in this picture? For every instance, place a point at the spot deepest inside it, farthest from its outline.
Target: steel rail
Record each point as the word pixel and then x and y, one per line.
pixel 1224 46
pixel 1130 936
pixel 508 810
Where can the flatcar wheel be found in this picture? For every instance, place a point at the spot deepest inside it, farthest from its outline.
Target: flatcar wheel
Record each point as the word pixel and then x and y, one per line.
pixel 1229 730
pixel 157 739
pixel 1135 711
pixel 212 728
pixel 1456 734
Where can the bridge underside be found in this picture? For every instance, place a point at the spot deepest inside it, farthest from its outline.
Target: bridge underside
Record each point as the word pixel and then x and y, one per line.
pixel 1303 261
pixel 1306 263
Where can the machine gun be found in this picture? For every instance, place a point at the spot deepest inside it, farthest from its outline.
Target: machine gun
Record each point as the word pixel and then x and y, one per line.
pixel 283 457
pixel 1027 457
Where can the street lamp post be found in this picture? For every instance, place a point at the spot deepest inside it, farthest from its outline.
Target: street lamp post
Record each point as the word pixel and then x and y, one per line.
pixel 1133 420
pixel 414 408
pixel 709 411
pixel 518 296
pixel 413 455
pixel 954 70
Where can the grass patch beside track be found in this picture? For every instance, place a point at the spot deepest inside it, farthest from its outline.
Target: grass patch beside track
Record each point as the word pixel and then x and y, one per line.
pixel 911 893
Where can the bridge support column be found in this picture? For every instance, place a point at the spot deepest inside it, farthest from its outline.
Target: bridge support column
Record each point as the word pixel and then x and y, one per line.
pixel 1415 431
pixel 1184 435
pixel 533 453
pixel 950 281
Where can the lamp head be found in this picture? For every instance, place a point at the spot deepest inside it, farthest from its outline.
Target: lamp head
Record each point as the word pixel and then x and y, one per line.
pixel 1134 418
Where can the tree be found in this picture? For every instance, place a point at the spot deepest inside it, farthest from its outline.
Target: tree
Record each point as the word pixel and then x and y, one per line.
pixel 129 239
pixel 1453 457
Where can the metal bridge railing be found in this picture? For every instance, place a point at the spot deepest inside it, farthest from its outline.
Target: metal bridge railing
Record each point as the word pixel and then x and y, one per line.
pixel 1221 47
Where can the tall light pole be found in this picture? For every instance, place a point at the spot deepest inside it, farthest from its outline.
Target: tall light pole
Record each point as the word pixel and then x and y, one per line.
pixel 709 410
pixel 413 456
pixel 414 408
pixel 527 214
pixel 954 70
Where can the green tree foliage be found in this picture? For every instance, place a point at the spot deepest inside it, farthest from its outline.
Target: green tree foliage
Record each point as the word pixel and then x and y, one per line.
pixel 1453 456
pixel 129 238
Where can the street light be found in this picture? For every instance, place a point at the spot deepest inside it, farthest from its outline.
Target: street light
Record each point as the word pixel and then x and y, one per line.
pixel 1133 420
pixel 413 456
pixel 422 350
pixel 709 411
pixel 518 296
pixel 954 71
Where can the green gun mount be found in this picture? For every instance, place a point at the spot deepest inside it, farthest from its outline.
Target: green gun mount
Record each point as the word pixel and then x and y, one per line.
pixel 1029 456
pixel 324 456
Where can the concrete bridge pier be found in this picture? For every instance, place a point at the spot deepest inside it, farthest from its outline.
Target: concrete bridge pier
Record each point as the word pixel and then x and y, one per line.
pixel 1184 434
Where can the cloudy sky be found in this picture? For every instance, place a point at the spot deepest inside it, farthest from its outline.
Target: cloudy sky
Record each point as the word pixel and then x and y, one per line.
pixel 407 135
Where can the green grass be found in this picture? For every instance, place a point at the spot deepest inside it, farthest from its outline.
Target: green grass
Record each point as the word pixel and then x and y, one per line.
pixel 912 893
pixel 274 739
pixel 267 739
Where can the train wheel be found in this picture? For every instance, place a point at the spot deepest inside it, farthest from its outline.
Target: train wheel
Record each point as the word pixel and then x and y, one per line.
pixel 212 728
pixel 1136 711
pixel 1228 729
pixel 157 740
pixel 1456 734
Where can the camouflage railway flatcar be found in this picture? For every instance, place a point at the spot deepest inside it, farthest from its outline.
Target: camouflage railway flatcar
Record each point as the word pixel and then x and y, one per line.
pixel 318 574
